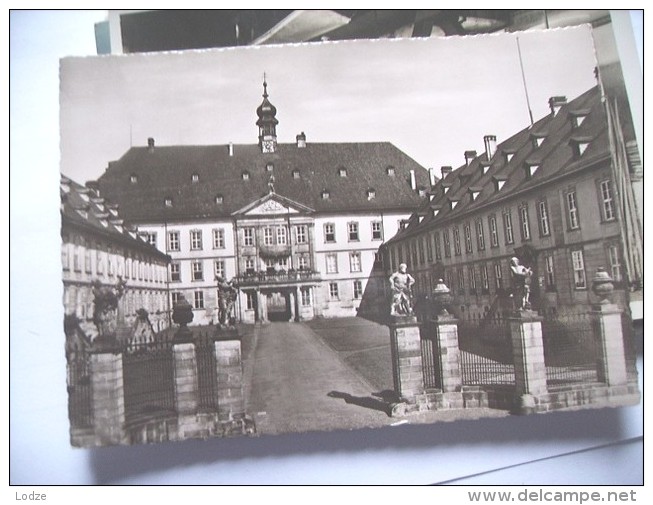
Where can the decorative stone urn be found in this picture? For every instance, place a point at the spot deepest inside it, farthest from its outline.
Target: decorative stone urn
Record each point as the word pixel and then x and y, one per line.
pixel 182 314
pixel 602 286
pixel 441 298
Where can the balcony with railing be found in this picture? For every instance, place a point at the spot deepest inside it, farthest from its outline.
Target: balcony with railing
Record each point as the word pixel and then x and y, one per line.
pixel 277 277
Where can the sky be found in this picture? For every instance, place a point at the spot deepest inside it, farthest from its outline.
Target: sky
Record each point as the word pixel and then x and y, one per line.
pixel 433 98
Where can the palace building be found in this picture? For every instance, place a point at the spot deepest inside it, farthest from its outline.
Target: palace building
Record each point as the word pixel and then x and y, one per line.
pixel 557 195
pixel 97 247
pixel 297 226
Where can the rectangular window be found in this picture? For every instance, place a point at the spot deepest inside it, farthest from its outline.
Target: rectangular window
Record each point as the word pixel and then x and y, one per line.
pixel 302 263
pixel 218 266
pixel 151 238
pixel 498 274
pixel 249 265
pixel 485 280
pixel 436 244
pixel 128 268
pixel 468 238
pixel 549 272
pixel 110 269
pixel 494 232
pixel 615 263
pixel 301 234
pixel 607 200
pixel 421 250
pixel 251 300
pixel 77 265
pixel 355 262
pixel 523 222
pixel 176 297
pixel 195 240
pixel 134 269
pixel 578 265
pixel 429 249
pixel 461 280
pixel 282 236
pixel 543 214
pixel 88 267
pixel 377 230
pixel 358 289
pixel 65 260
pixel 333 291
pixel 456 241
pixel 198 273
pixel 306 296
pixel 198 300
pixel 352 229
pixel 329 232
pixel 331 263
pixel 413 250
pixel 572 211
pixel 447 244
pixel 268 236
pixel 480 235
pixel 218 238
pixel 173 241
pixel 471 274
pixel 283 263
pixel 248 236
pixel 507 227
pixel 175 272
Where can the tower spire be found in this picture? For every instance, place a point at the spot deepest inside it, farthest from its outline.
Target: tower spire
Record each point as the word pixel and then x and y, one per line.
pixel 267 122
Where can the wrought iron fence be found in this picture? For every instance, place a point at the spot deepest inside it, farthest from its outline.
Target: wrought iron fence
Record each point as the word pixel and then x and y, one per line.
pixel 148 377
pixel 570 352
pixel 207 377
pixel 486 356
pixel 430 357
pixel 80 410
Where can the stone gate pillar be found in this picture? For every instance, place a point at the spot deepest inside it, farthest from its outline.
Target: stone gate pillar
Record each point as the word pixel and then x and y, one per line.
pixel 528 358
pixel 228 362
pixel 446 333
pixel 108 396
pixel 608 331
pixel 406 358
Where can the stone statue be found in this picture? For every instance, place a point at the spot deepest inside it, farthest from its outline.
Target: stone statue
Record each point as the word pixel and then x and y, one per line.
pixel 521 282
pixel 226 298
pixel 401 283
pixel 105 309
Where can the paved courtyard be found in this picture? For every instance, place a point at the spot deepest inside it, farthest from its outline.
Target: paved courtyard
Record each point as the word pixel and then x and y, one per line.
pixel 325 375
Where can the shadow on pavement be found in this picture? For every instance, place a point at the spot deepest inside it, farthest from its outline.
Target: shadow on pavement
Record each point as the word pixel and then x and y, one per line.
pixel 363 401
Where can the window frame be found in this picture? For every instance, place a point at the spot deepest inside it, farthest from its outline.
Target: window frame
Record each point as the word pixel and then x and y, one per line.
pixel 543 218
pixel 331 263
pixel 174 241
pixel 353 231
pixel 197 267
pixel 218 238
pixel 327 233
pixel 355 266
pixel 577 254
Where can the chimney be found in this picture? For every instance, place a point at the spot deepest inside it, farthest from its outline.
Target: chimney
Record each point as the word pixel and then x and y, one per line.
pixel 150 144
pixel 432 177
pixel 445 171
pixel 413 183
pixel 556 102
pixel 93 186
pixel 490 145
pixel 301 140
pixel 231 149
pixel 469 156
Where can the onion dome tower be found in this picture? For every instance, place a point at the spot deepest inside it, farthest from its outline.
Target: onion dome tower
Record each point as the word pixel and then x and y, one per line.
pixel 267 123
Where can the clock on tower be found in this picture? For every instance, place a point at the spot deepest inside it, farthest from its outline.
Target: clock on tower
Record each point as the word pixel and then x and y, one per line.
pixel 267 123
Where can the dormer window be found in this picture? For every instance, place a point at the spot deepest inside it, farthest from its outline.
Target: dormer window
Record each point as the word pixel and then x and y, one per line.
pixel 531 168
pixel 83 213
pixel 420 218
pixel 421 192
pixel 219 199
pixel 445 188
pixel 579 146
pixel 431 197
pixel 195 178
pixel 499 183
pixel 484 168
pixel 509 157
pixel 168 202
pixel 84 196
pixel 473 193
pixel 269 167
pixel 133 179
pixel 453 203
pixel 342 172
pixel 537 141
pixel 390 171
pixel 245 176
pixel 371 194
pixel 295 174
pixel 435 212
pixel 325 195
pixel 577 118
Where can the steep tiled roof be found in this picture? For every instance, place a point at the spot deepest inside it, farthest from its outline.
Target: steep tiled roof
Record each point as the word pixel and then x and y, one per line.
pixel 82 208
pixel 541 152
pixel 144 177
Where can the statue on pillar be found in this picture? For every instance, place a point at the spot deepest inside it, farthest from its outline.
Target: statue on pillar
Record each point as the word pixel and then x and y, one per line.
pixel 401 283
pixel 521 283
pixel 226 299
pixel 107 313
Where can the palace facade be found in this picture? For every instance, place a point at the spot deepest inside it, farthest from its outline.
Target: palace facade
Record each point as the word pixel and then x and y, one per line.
pixel 556 195
pixel 296 227
pixel 98 248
